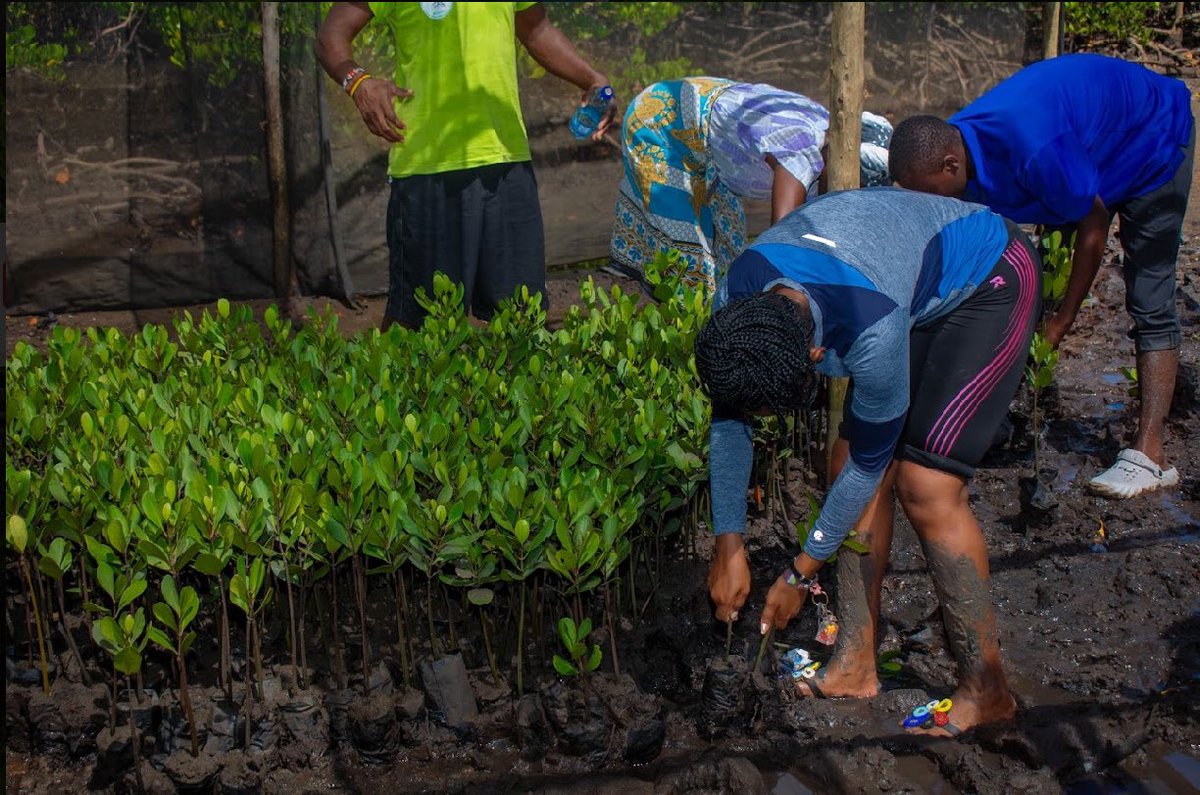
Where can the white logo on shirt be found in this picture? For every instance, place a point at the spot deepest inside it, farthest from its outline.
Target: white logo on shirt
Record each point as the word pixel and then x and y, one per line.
pixel 814 238
pixel 436 11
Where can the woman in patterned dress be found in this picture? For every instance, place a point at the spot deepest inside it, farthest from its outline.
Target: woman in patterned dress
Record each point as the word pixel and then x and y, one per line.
pixel 694 147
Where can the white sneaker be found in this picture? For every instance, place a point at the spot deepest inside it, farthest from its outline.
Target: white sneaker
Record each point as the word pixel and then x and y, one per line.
pixel 1133 473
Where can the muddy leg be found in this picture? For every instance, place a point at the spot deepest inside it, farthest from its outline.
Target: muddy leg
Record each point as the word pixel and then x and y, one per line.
pixel 851 671
pixel 1156 385
pixel 936 504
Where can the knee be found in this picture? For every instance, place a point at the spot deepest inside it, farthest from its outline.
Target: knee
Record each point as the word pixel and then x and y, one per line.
pixel 927 494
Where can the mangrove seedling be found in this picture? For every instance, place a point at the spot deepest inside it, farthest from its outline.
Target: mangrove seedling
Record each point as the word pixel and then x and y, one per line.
pixel 55 563
pixel 16 534
pixel 124 637
pixel 1130 374
pixel 581 662
pixel 887 665
pixel 1043 358
pixel 176 613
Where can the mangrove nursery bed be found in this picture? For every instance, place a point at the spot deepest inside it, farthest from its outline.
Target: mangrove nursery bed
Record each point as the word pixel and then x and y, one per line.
pixel 259 559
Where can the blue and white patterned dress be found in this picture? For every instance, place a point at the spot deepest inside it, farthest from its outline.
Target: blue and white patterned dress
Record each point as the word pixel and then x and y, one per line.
pixel 692 147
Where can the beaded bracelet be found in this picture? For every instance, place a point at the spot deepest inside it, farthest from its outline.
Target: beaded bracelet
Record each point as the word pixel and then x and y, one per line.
pixel 351 76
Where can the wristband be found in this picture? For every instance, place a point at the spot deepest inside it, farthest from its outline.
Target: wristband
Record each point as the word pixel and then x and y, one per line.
pixel 795 579
pixel 351 76
pixel 364 77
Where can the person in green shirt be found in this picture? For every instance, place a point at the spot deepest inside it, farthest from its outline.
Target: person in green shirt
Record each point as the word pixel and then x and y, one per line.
pixel 463 195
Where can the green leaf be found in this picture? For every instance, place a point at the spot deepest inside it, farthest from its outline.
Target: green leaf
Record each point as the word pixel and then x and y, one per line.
pixel 480 596
pixel 208 564
pixel 237 593
pixel 594 660
pixel 107 633
pixel 128 661
pixel 106 576
pixel 564 668
pixel 16 534
pixel 160 639
pixel 165 616
pixel 49 567
pixel 856 546
pixel 131 592
pixel 566 631
pixel 169 593
pixel 189 606
pixel 223 308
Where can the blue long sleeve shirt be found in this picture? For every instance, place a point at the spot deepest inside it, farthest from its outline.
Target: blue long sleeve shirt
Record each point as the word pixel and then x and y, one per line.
pixel 1050 139
pixel 874 263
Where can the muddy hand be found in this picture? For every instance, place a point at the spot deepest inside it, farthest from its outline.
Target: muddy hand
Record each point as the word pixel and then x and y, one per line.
pixel 729 577
pixel 1056 328
pixel 783 603
pixel 375 100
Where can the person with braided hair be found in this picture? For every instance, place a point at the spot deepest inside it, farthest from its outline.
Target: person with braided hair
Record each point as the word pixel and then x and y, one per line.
pixel 928 304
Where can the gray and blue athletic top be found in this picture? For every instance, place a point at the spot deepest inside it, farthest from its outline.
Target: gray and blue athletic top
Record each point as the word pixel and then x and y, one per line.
pixel 874 263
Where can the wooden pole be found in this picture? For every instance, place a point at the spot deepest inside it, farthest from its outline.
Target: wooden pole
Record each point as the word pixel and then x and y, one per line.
pixel 1051 16
pixel 335 232
pixel 276 158
pixel 846 84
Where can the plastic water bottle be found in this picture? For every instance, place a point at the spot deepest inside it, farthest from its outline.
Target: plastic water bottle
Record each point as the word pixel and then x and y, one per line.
pixel 587 117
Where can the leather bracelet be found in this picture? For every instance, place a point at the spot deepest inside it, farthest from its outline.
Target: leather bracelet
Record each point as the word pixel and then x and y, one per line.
pixel 795 579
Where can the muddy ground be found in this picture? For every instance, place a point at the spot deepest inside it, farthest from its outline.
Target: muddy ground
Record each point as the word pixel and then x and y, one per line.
pixel 1102 649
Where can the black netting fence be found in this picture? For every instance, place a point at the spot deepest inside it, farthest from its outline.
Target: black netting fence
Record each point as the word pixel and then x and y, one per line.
pixel 136 146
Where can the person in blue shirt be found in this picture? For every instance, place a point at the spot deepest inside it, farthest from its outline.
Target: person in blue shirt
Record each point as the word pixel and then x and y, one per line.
pixel 1071 142
pixel 928 304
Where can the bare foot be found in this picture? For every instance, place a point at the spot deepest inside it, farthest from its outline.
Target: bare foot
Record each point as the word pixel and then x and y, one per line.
pixel 835 682
pixel 972 710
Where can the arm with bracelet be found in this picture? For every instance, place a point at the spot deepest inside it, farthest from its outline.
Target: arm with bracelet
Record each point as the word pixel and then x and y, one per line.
pixel 875 412
pixel 375 97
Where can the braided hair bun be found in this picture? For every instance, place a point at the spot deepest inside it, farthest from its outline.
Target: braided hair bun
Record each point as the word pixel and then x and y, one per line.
pixel 753 355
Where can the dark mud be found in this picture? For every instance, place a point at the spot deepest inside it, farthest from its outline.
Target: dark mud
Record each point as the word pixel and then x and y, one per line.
pixel 968 618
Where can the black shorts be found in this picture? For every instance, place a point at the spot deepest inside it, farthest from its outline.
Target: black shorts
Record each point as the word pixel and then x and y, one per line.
pixel 480 226
pixel 964 368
